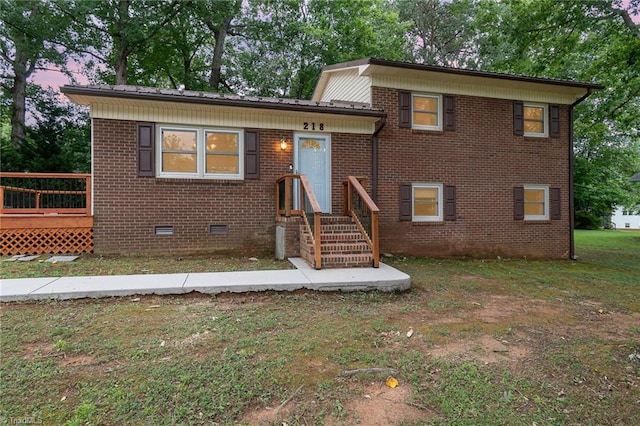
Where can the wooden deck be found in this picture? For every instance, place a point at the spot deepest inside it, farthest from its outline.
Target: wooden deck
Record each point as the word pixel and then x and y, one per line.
pixel 33 221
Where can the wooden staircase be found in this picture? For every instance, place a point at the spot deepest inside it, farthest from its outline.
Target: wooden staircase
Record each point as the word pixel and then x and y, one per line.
pixel 342 244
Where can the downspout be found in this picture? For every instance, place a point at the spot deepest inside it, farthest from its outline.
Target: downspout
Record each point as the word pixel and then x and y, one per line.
pixel 374 159
pixel 572 246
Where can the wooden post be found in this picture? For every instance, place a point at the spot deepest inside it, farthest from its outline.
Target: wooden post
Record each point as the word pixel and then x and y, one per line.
pixel 288 183
pixel 88 192
pixel 375 249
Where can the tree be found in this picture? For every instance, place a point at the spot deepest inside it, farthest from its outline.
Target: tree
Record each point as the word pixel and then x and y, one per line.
pixel 32 36
pixel 113 30
pixel 58 140
pixel 441 32
pixel 288 42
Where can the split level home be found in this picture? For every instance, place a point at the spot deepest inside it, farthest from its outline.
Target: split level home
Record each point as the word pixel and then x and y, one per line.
pixel 386 157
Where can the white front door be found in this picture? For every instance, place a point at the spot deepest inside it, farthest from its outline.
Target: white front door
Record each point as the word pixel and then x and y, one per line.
pixel 313 158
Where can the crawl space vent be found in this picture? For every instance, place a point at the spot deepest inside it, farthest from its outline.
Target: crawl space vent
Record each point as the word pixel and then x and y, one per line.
pixel 164 230
pixel 218 229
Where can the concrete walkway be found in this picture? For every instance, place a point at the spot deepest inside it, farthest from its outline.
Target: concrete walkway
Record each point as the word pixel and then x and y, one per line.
pixel 384 278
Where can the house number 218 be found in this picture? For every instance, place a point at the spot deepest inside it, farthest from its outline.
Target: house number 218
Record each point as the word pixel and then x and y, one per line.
pixel 313 126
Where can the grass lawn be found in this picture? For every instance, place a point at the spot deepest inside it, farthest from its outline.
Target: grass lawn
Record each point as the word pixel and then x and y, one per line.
pixel 491 342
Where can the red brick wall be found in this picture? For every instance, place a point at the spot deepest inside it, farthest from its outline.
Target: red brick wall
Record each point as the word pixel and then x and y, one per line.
pixel 128 207
pixel 484 160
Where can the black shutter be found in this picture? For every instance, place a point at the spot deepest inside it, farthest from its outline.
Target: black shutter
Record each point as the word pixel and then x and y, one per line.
pixel 449 112
pixel 518 203
pixel 449 202
pixel 554 121
pixel 251 154
pixel 145 135
pixel 404 109
pixel 405 202
pixel 518 118
pixel 555 208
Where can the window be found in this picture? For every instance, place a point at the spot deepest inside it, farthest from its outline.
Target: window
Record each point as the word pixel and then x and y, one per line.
pixel 627 225
pixel 535 120
pixel 426 112
pixel 426 202
pixel 200 153
pixel 536 202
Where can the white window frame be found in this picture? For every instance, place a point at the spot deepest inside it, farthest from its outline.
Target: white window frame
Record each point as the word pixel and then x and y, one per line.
pixel 440 214
pixel 439 110
pixel 546 206
pixel 201 155
pixel 545 119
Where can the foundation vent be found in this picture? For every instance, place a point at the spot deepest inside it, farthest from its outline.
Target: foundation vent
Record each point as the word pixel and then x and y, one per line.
pixel 164 230
pixel 218 229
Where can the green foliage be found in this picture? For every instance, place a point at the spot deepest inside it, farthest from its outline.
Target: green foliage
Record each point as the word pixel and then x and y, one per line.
pixel 58 141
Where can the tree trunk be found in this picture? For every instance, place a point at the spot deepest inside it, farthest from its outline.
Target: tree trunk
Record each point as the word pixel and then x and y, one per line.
pixel 121 42
pixel 215 79
pixel 18 93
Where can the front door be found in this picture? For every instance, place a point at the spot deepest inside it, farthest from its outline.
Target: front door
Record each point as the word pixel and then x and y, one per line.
pixel 313 158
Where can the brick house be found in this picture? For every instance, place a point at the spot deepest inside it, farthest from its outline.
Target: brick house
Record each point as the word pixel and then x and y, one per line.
pixel 458 162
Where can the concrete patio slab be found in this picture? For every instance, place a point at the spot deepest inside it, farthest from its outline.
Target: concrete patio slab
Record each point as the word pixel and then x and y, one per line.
pixel 110 285
pixel 384 278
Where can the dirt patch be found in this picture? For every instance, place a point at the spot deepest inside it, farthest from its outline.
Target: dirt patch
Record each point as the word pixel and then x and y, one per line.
pixel 372 404
pixel 380 405
pixel 486 349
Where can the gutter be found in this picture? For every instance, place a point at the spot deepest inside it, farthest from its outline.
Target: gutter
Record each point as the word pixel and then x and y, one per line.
pixel 374 158
pixel 572 245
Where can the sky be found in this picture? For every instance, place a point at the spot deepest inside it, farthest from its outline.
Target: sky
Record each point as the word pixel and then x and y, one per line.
pixel 56 79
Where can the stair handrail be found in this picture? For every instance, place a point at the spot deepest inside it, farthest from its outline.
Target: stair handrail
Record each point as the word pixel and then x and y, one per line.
pixel 365 214
pixel 309 205
pixel 309 208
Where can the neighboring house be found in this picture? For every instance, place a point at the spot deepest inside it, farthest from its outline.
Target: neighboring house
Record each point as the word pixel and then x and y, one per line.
pixel 458 162
pixel 624 218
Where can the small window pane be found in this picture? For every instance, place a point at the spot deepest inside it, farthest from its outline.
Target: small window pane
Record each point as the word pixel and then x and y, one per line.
pixel 425 118
pixel 425 104
pixel 182 163
pixel 178 140
pixel 534 195
pixel 533 127
pixel 532 209
pixel 222 142
pixel 426 194
pixel 223 164
pixel 425 201
pixel 533 113
pixel 425 209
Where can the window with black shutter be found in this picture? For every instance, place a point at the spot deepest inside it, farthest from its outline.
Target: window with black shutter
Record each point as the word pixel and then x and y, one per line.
pixel 146 143
pixel 251 154
pixel 449 103
pixel 449 202
pixel 404 109
pixel 405 202
pixel 518 118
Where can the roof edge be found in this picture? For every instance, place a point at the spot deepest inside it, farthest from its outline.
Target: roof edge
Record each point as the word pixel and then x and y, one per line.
pixel 230 102
pixel 463 72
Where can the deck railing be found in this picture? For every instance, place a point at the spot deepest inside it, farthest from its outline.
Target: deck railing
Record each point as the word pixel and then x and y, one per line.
pixel 308 207
pixel 45 193
pixel 364 212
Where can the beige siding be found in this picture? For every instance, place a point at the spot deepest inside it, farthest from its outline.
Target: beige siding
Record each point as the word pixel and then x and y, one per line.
pixel 205 115
pixel 347 86
pixel 482 87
